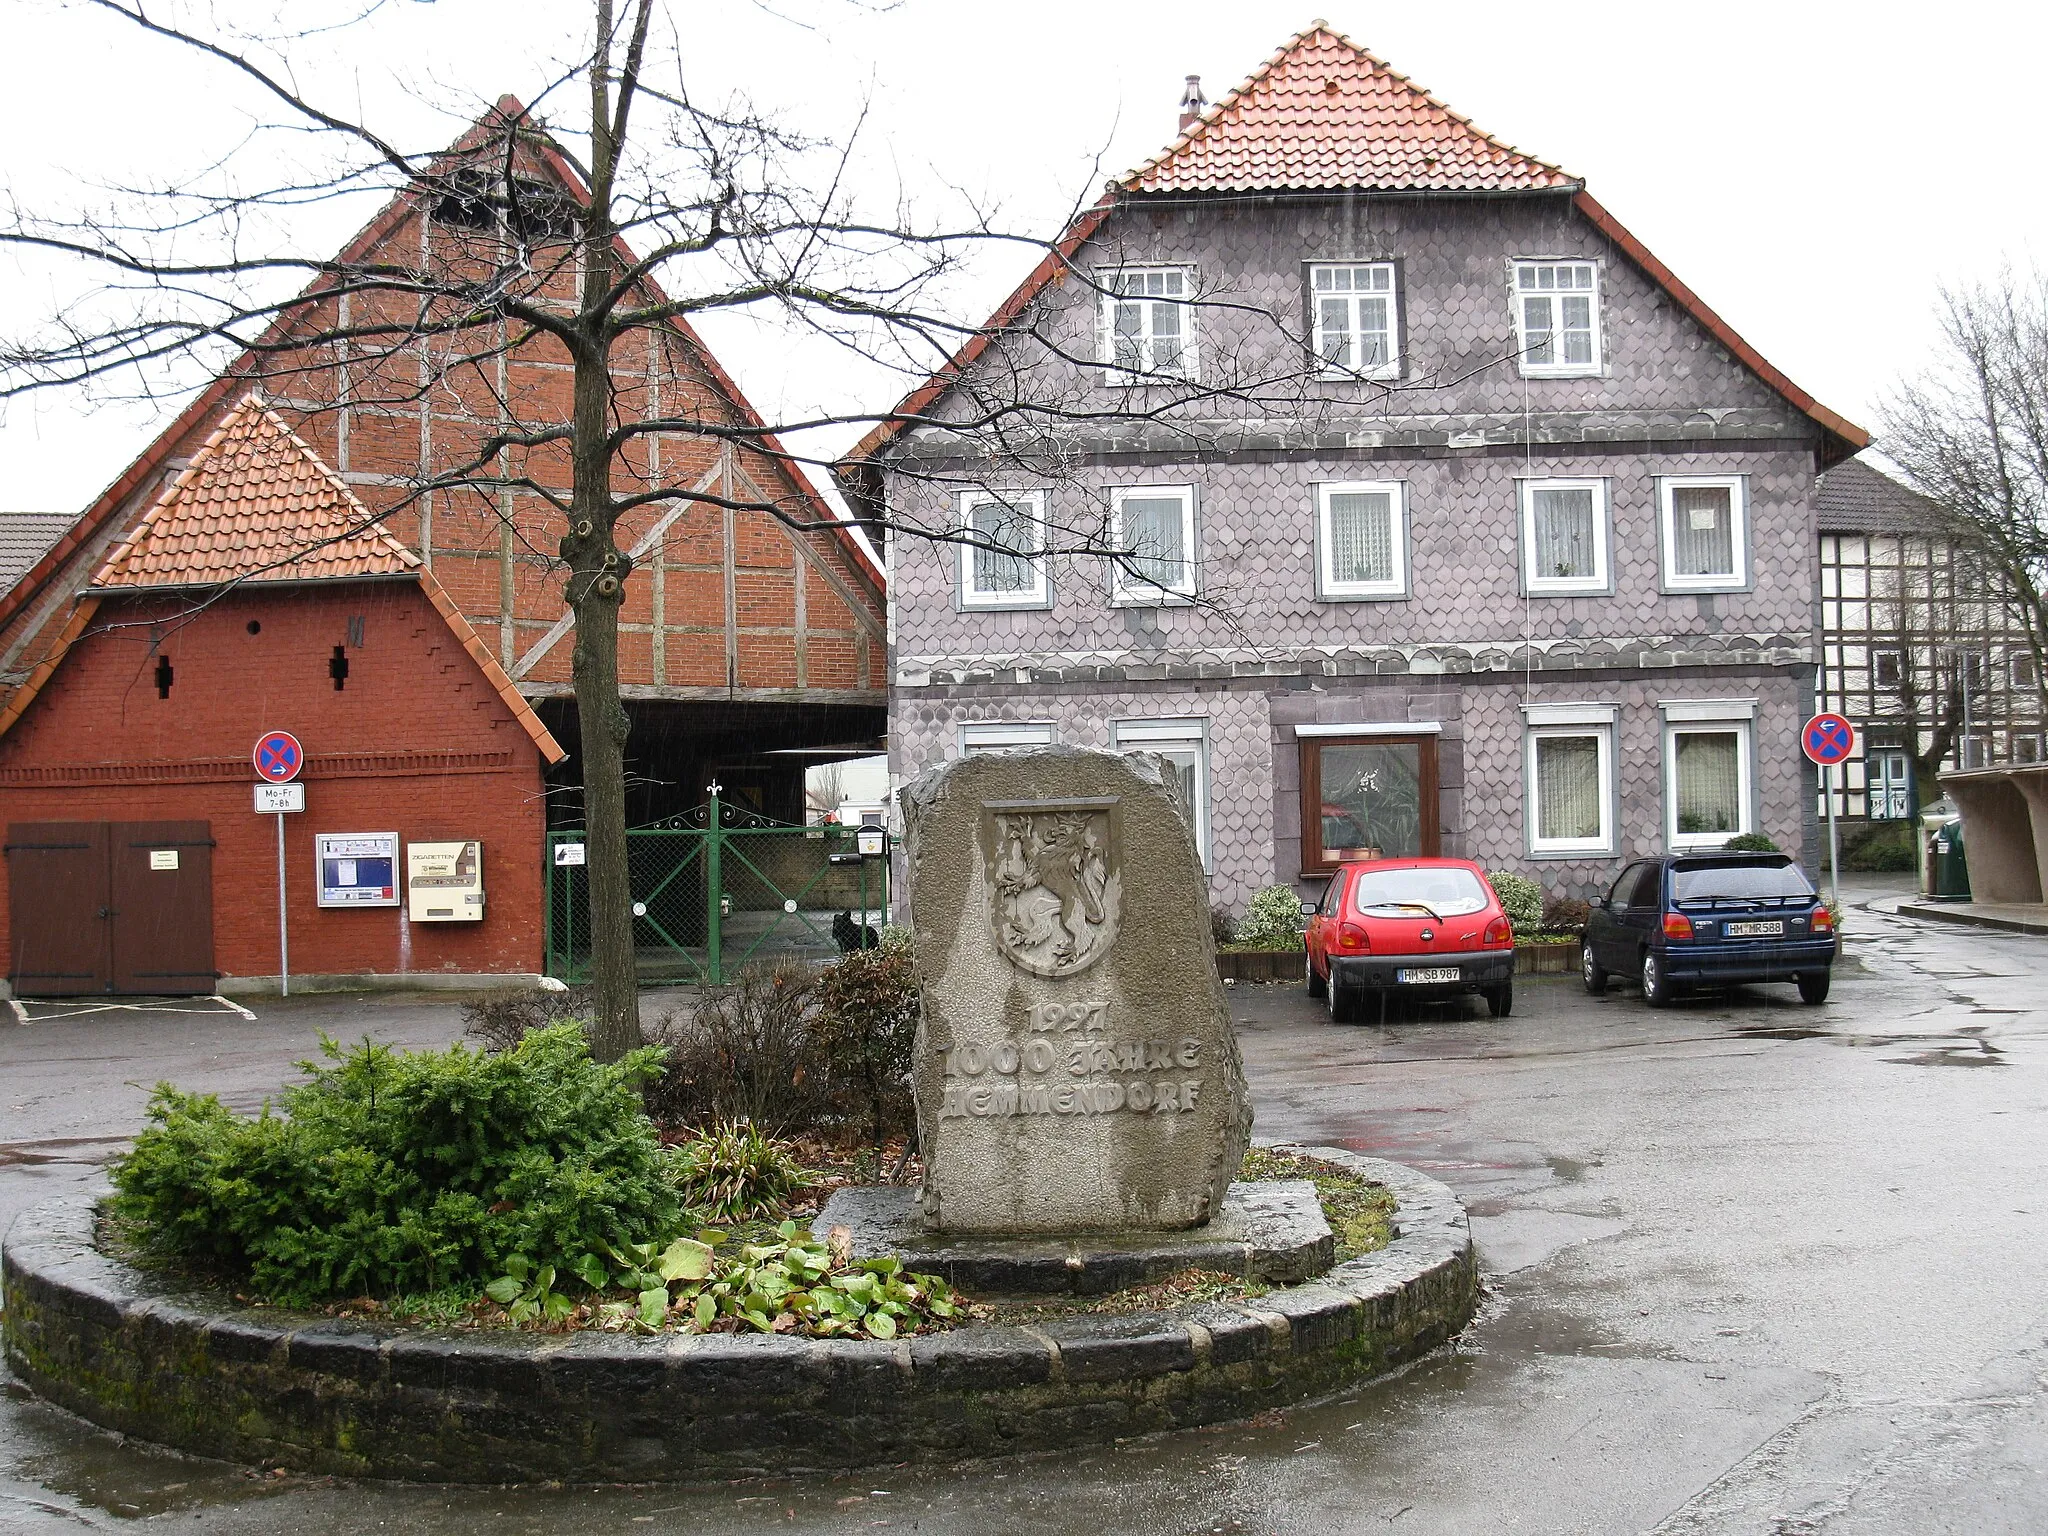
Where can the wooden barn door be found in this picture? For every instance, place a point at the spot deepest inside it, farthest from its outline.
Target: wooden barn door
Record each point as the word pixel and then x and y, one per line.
pixel 101 907
pixel 161 878
pixel 58 933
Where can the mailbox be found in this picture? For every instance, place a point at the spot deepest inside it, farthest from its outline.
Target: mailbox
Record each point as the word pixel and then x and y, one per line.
pixel 444 882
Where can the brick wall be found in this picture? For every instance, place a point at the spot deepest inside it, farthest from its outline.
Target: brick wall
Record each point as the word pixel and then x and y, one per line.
pixel 416 742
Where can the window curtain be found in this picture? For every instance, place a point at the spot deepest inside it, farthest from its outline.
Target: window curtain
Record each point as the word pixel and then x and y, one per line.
pixel 1567 787
pixel 1709 781
pixel 1703 535
pixel 1007 528
pixel 1362 536
pixel 1154 532
pixel 1564 533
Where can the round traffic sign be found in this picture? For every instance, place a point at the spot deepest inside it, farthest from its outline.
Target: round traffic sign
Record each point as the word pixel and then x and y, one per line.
pixel 1828 739
pixel 278 757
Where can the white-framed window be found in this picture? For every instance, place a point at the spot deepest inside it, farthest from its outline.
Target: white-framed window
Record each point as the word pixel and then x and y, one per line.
pixel 1974 751
pixel 1564 536
pixel 1147 324
pixel 1557 317
pixel 1887 668
pixel 1003 735
pixel 2026 747
pixel 1185 744
pixel 2024 673
pixel 1357 329
pixel 1002 553
pixel 1362 539
pixel 1571 789
pixel 1155 524
pixel 1704 527
pixel 1706 781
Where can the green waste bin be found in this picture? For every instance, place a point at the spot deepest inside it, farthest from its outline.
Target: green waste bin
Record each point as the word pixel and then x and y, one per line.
pixel 1948 870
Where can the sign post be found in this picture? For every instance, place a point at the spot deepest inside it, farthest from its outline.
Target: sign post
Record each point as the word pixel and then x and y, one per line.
pixel 1827 739
pixel 278 758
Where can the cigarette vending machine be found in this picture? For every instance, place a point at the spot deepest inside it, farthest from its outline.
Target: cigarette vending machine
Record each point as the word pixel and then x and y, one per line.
pixel 444 882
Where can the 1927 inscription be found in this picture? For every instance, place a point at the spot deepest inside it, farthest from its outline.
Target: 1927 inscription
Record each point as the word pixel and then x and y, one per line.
pixel 1070 1041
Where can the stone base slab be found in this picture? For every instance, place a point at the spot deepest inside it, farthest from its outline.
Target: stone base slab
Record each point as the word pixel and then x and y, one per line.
pixel 193 1370
pixel 1272 1231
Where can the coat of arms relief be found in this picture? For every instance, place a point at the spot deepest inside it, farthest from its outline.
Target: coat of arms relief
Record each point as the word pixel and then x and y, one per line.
pixel 1055 886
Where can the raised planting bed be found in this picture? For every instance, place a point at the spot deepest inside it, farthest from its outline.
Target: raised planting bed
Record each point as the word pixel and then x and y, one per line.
pixel 1543 957
pixel 189 1367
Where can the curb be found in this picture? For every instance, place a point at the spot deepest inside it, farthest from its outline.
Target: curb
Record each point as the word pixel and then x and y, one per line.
pixel 192 1370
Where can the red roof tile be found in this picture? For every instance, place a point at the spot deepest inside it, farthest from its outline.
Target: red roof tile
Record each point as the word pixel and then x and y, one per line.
pixel 255 504
pixel 1322 114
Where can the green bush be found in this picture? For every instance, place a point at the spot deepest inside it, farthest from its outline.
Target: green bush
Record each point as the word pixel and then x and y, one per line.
pixel 1272 919
pixel 1750 842
pixel 866 1030
pixel 1520 898
pixel 391 1172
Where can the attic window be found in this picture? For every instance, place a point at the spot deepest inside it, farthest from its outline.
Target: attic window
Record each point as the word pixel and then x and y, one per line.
pixel 488 202
pixel 163 677
pixel 337 668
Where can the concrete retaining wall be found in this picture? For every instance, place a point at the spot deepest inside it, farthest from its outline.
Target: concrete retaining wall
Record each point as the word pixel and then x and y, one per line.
pixel 192 1370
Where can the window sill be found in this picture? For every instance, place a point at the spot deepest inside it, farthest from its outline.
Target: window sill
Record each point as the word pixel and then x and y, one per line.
pixel 1146 380
pixel 1710 842
pixel 1388 375
pixel 1152 600
pixel 1705 586
pixel 1601 588
pixel 1604 851
pixel 1024 605
pixel 1575 371
pixel 1363 597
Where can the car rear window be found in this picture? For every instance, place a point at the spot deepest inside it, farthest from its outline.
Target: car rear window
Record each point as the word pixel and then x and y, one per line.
pixel 1444 892
pixel 1762 881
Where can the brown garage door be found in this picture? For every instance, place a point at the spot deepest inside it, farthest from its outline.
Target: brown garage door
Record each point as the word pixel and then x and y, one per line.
pixel 110 907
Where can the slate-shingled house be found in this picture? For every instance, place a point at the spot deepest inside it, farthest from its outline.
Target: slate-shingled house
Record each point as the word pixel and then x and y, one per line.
pixel 1527 574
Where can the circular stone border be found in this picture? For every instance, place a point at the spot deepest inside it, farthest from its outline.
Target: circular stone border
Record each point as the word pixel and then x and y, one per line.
pixel 193 1370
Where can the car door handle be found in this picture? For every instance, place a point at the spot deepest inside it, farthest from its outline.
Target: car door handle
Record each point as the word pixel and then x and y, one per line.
pixel 108 912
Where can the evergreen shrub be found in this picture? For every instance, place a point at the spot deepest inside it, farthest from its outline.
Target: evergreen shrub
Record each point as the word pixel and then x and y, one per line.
pixel 390 1172
pixel 1520 897
pixel 1272 919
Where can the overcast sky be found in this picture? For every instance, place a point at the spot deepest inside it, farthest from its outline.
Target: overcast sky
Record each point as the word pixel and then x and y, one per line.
pixel 1812 170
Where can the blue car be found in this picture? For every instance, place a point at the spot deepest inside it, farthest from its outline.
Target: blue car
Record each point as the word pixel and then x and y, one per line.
pixel 1691 920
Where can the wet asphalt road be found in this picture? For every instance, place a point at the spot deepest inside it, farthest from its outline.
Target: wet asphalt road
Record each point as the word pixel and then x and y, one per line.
pixel 1754 1268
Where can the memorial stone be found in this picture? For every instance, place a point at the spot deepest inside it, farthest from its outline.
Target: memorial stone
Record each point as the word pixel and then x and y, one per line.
pixel 1076 1068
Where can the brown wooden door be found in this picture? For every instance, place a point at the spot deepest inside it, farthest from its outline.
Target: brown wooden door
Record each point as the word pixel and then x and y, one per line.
pixel 162 889
pixel 58 931
pixel 110 907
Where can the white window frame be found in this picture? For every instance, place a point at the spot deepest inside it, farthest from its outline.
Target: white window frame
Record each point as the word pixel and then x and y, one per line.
pixel 1126 585
pixel 1602 579
pixel 1603 735
pixel 1518 297
pixel 1877 677
pixel 1696 722
pixel 982 736
pixel 2019 668
pixel 1039 593
pixel 1327 586
pixel 1167 736
pixel 1108 280
pixel 1737 487
pixel 1389 367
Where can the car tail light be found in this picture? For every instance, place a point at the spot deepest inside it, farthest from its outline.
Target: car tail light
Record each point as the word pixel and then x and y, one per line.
pixel 1677 926
pixel 1352 937
pixel 1499 932
pixel 1823 920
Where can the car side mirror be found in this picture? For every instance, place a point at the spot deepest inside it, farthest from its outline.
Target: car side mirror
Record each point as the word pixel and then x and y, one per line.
pixel 1309 909
pixel 1602 905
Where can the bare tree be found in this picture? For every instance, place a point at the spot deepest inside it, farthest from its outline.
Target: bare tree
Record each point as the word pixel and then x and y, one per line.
pixel 583 231
pixel 1971 434
pixel 1925 615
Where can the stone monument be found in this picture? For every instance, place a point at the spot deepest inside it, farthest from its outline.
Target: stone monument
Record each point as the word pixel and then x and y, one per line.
pixel 1076 1068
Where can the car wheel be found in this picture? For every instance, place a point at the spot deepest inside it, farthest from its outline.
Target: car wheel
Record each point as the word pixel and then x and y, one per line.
pixel 1814 989
pixel 1315 984
pixel 1594 973
pixel 1500 1000
pixel 1656 985
pixel 1343 1001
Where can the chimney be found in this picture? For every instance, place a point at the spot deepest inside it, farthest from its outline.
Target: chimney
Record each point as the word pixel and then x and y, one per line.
pixel 1191 103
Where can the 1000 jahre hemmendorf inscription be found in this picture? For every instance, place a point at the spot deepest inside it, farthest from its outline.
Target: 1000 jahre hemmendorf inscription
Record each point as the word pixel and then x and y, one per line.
pixel 1072 1065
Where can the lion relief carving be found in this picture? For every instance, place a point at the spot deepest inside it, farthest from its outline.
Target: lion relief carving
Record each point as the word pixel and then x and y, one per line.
pixel 1055 889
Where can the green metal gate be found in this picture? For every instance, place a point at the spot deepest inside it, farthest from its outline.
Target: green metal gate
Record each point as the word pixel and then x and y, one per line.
pixel 716 888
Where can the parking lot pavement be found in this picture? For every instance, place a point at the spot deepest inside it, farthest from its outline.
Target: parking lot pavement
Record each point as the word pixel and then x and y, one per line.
pixel 1753 1267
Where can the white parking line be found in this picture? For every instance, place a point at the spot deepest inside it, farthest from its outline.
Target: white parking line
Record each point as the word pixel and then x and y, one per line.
pixel 52 1010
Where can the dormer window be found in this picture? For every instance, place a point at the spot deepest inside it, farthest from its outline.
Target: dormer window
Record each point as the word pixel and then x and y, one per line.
pixel 488 202
pixel 1557 318
pixel 1354 314
pixel 1147 324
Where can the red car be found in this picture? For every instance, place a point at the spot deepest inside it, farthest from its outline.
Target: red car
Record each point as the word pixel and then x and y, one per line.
pixel 1414 927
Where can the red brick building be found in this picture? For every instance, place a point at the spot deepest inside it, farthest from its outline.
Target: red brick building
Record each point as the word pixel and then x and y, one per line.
pixel 747 648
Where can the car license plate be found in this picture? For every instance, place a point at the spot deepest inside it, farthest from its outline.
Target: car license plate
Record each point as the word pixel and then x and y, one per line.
pixel 1428 974
pixel 1771 930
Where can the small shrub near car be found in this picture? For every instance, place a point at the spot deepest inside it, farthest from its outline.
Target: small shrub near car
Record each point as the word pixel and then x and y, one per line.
pixel 1521 898
pixel 1272 919
pixel 1750 842
pixel 1567 915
